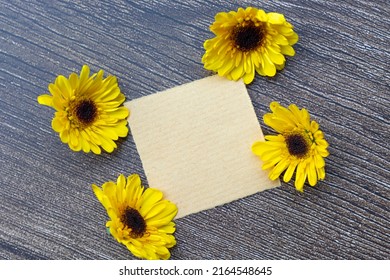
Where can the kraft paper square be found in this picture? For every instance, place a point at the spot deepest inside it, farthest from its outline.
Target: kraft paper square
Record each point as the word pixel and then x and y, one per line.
pixel 195 142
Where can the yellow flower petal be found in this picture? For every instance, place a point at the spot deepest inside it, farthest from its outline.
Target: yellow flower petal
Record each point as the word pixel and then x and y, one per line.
pixel 45 99
pixel 276 57
pixel 98 192
pixel 154 210
pixel 64 86
pixel 319 161
pixel 272 162
pixel 248 41
pixel 300 176
pixel 287 50
pixel 299 147
pixel 238 72
pixel 85 145
pixel 248 77
pixel 150 199
pixel 226 68
pixel 57 125
pixel 312 174
pixel 170 228
pixel 163 217
pixel 279 168
pixel 90 114
pixel 64 135
pixel 321 173
pixel 275 18
pixel 139 218
pixel 290 171
pixel 268 66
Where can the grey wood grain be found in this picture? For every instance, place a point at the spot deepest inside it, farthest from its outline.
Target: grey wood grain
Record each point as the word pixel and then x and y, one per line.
pixel 340 73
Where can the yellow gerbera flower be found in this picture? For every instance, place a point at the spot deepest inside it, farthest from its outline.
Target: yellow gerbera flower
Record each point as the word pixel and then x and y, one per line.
pixel 299 146
pixel 139 218
pixel 248 41
pixel 89 112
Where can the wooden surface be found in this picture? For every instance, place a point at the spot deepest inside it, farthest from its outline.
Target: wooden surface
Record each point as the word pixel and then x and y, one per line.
pixel 340 74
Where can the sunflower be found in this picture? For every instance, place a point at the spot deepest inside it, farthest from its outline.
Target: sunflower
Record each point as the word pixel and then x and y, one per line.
pixel 300 146
pixel 248 41
pixel 89 115
pixel 139 218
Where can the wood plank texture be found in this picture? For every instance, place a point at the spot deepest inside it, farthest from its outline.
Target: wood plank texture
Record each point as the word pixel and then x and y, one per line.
pixel 340 73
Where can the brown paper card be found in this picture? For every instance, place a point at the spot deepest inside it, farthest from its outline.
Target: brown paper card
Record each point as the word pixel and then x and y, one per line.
pixel 195 142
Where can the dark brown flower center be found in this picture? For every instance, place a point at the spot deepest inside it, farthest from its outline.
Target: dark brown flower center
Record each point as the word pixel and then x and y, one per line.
pixel 297 145
pixel 133 220
pixel 248 37
pixel 86 111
